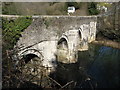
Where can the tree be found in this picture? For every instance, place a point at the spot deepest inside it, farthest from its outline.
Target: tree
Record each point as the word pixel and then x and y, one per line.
pixel 12 30
pixel 92 8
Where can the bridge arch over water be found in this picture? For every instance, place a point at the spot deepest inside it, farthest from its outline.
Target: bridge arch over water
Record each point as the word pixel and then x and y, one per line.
pixel 31 53
pixel 71 31
pixel 63 42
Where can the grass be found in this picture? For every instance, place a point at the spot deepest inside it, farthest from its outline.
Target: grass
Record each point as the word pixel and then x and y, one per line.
pixel 43 8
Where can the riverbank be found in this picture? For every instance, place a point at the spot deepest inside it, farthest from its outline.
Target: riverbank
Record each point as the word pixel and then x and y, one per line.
pixel 108 43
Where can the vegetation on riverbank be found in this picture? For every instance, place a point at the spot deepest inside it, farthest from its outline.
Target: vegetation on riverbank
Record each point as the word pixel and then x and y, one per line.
pixel 12 29
pixel 108 43
pixel 48 8
pixel 11 32
pixel 92 8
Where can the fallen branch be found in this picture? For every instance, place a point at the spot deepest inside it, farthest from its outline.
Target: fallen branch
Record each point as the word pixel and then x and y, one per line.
pixel 67 84
pixel 54 81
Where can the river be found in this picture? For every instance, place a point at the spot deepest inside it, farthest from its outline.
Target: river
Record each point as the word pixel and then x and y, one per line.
pixel 105 67
pixel 97 67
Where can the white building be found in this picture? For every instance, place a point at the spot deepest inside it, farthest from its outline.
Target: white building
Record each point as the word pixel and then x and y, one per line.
pixel 71 9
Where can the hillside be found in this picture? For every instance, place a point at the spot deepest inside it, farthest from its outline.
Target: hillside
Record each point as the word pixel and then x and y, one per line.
pixel 44 8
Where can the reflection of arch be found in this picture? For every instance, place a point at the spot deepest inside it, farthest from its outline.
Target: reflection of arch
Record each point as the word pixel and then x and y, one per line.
pixel 63 42
pixel 31 53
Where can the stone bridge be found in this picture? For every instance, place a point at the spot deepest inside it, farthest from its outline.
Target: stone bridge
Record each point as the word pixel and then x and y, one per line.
pixel 54 38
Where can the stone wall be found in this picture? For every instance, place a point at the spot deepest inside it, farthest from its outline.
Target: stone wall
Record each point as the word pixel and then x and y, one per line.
pixel 45 31
pixel 51 28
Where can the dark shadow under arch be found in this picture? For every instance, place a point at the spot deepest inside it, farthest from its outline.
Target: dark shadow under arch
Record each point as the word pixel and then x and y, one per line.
pixel 62 42
pixel 80 34
pixel 28 57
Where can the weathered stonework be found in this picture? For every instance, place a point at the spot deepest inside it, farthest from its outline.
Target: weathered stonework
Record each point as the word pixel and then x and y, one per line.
pixel 43 35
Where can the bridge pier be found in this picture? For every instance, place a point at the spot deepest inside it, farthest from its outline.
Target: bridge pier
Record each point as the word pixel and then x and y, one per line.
pixel 72 38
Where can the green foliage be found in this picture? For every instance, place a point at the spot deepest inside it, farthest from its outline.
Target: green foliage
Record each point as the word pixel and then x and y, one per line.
pixel 92 8
pixel 104 4
pixel 12 29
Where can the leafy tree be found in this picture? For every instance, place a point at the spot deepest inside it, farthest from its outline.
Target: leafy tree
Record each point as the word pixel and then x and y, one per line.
pixel 11 30
pixel 92 8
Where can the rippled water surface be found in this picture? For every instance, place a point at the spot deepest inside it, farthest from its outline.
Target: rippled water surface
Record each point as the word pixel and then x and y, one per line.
pixel 105 67
pixel 98 66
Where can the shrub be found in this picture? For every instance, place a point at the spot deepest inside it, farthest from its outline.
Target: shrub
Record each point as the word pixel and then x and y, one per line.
pixel 12 29
pixel 92 8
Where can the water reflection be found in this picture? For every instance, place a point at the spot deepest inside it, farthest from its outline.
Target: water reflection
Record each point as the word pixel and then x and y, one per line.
pixel 105 68
pixel 97 67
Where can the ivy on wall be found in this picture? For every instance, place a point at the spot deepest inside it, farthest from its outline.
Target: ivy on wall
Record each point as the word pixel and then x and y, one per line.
pixel 12 28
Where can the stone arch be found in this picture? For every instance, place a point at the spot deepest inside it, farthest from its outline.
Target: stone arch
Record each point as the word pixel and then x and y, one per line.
pixel 63 53
pixel 63 41
pixel 31 53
